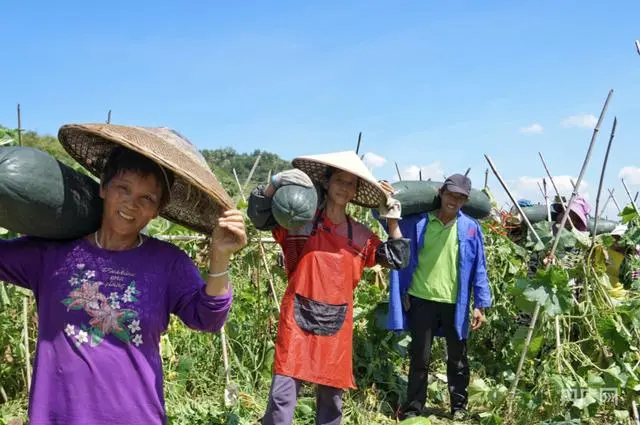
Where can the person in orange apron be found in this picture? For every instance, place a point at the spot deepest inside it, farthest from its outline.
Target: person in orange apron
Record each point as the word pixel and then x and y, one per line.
pixel 324 261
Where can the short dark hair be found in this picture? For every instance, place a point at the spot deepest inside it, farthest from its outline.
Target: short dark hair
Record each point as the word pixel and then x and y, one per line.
pixel 122 160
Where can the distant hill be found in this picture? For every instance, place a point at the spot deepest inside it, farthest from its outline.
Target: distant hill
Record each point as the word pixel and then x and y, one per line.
pixel 222 161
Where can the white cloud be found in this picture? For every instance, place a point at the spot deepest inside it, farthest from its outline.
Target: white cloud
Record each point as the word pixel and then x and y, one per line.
pixel 432 171
pixel 372 160
pixel 630 174
pixel 532 129
pixel 580 120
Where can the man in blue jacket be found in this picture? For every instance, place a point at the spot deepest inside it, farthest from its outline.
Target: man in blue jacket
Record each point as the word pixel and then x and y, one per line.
pixel 432 296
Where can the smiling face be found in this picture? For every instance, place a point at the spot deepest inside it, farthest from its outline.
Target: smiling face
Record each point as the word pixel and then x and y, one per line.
pixel 451 202
pixel 131 200
pixel 342 187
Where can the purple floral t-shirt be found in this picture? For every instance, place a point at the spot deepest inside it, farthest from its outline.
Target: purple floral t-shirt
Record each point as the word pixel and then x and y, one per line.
pixel 101 314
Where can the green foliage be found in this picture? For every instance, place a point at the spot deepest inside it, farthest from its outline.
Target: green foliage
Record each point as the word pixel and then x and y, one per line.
pixel 224 161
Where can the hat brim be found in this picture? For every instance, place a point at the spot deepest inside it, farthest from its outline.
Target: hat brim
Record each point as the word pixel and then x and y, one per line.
pixel 456 189
pixel 196 198
pixel 369 193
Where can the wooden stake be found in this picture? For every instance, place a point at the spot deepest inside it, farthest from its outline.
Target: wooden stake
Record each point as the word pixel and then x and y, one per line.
pixel 398 171
pixel 19 127
pixel 263 253
pixel 546 198
pixel 556 240
pixel 506 189
pixel 626 189
pixel 613 198
pixel 604 207
pixel 253 169
pixel 239 185
pixel 553 183
pixel 3 393
pixel 604 168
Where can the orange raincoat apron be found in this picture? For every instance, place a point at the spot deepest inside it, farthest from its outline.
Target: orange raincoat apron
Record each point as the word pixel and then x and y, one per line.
pixel 315 330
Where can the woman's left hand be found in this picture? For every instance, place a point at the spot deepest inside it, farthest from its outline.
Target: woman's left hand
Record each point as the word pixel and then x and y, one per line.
pixel 229 235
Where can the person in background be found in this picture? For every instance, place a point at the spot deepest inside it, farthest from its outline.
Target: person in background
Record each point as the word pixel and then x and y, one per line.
pixel 103 300
pixel 433 295
pixel 324 261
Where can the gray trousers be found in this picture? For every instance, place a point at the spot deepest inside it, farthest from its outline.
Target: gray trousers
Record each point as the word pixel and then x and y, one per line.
pixel 283 398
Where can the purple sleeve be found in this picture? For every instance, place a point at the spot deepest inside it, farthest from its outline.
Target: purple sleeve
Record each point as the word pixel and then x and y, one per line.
pixel 190 302
pixel 21 261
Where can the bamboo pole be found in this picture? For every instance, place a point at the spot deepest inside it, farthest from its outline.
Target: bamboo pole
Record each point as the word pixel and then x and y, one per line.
pixel 398 171
pixel 25 329
pixel 253 169
pixel 546 198
pixel 263 254
pixel 506 189
pixel 604 169
pixel 556 240
pixel 231 389
pixel 19 126
pixel 553 183
pixel 613 198
pixel 604 206
pixel 626 189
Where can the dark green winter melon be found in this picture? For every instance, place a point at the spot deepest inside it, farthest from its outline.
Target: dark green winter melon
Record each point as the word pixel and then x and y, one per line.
pixel 537 213
pixel 293 206
pixel 422 196
pixel 604 226
pixel 41 197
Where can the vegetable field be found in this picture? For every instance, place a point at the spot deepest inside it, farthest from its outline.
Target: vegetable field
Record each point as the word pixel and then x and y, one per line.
pixel 580 367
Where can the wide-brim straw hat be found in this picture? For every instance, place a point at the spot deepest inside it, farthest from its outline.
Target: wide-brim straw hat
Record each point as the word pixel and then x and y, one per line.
pixel 196 197
pixel 369 193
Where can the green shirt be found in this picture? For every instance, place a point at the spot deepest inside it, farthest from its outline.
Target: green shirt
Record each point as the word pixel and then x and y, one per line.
pixel 436 276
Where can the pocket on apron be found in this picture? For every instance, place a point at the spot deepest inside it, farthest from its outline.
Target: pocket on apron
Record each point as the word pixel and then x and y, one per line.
pixel 317 317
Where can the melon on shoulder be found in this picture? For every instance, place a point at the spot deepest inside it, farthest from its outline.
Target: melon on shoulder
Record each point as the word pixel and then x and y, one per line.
pixel 293 206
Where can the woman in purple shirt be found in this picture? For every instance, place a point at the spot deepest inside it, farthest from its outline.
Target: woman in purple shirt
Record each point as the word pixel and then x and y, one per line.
pixel 103 301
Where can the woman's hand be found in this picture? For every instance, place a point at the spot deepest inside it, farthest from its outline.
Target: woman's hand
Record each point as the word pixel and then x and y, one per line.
pixel 229 235
pixel 386 187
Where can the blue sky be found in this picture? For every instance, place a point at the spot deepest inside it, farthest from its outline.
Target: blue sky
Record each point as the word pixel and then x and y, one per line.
pixel 434 85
